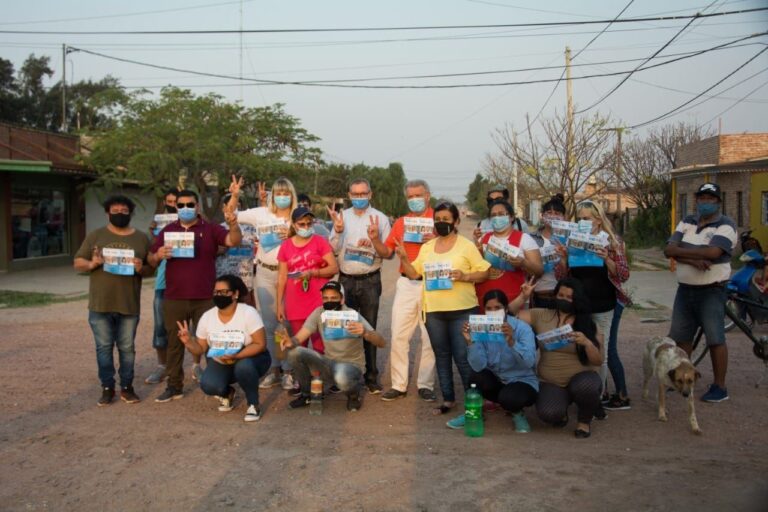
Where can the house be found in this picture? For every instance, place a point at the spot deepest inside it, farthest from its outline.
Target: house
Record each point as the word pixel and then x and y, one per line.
pixel 736 162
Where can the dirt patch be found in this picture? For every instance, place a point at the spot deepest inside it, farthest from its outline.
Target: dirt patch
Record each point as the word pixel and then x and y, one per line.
pixel 58 451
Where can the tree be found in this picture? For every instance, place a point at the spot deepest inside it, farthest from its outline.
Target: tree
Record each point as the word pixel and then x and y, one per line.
pixel 476 194
pixel 203 138
pixel 543 163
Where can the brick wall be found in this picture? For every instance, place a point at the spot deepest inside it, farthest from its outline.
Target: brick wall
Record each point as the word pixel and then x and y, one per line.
pixel 730 183
pixel 699 153
pixel 737 148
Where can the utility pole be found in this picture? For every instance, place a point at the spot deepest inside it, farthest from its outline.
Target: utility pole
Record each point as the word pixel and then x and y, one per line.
pixel 64 87
pixel 617 168
pixel 569 120
pixel 514 186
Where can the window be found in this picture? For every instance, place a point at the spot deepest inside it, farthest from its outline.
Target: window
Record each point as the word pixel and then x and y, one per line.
pixel 739 210
pixel 682 206
pixel 39 222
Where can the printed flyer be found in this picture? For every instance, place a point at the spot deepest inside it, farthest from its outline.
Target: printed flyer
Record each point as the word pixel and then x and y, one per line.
pixel 416 228
pixel 335 324
pixel 437 276
pixel 486 329
pixel 225 343
pixel 582 249
pixel 182 243
pixel 499 253
pixel 549 257
pixel 561 230
pixel 162 220
pixel 555 339
pixel 118 261
pixel 269 234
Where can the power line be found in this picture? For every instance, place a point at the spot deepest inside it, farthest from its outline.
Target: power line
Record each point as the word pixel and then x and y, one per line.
pixel 739 101
pixel 344 84
pixel 381 29
pixel 702 93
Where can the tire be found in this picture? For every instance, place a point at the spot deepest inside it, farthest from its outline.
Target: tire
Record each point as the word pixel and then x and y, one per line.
pixel 700 347
pixel 743 314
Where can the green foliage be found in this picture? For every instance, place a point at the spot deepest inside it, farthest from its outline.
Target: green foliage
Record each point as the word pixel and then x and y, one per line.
pixel 650 228
pixel 387 184
pixel 476 194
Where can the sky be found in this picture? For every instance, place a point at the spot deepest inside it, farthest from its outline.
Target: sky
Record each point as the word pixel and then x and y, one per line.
pixel 439 134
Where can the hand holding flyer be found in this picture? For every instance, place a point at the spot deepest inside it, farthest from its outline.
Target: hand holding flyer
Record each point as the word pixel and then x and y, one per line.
pixel 500 253
pixel 583 250
pixel 549 257
pixel 562 229
pixel 416 228
pixel 336 324
pixel 555 339
pixel 225 343
pixel 182 244
pixel 119 261
pixel 486 329
pixel 270 234
pixel 437 276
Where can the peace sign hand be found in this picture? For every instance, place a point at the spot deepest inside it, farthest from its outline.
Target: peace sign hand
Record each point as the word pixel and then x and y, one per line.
pixel 337 218
pixel 527 288
pixel 400 250
pixel 235 186
pixel 373 228
pixel 184 336
pixel 262 193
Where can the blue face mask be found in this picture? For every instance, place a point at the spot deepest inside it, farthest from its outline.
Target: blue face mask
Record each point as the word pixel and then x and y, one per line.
pixel 360 204
pixel 417 204
pixel 305 232
pixel 500 223
pixel 187 214
pixel 706 209
pixel 282 201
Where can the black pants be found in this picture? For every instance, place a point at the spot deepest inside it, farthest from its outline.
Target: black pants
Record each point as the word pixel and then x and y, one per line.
pixel 513 397
pixel 583 390
pixel 362 295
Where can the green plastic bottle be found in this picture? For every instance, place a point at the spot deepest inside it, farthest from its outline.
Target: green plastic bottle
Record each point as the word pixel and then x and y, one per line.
pixel 473 413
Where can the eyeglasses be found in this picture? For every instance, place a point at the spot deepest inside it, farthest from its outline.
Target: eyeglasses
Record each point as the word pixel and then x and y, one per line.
pixel 359 195
pixel 186 205
pixel 221 293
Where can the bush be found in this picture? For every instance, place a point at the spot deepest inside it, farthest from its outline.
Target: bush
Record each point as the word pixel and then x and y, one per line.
pixel 649 229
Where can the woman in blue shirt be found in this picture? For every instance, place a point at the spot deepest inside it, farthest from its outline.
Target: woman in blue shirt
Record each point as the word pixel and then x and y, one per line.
pixel 505 372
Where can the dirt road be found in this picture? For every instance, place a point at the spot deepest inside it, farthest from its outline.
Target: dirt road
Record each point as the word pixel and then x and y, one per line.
pixel 58 451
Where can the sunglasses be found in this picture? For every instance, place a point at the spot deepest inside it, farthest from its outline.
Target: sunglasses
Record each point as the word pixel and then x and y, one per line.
pixel 186 205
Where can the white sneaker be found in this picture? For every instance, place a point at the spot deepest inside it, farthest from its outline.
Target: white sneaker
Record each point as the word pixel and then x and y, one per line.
pixel 252 414
pixel 269 381
pixel 288 383
pixel 227 403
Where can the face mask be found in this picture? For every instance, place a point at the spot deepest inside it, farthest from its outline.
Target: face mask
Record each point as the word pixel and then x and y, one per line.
pixel 360 204
pixel 170 209
pixel 547 219
pixel 187 214
pixel 585 226
pixel 499 313
pixel 706 209
pixel 500 223
pixel 444 228
pixel 222 301
pixel 282 201
pixel 305 232
pixel 119 220
pixel 332 305
pixel 564 306
pixel 417 204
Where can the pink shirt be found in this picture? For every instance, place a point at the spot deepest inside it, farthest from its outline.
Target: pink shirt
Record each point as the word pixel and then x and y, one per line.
pixel 298 303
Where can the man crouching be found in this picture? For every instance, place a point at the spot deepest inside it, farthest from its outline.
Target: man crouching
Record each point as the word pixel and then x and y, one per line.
pixel 343 331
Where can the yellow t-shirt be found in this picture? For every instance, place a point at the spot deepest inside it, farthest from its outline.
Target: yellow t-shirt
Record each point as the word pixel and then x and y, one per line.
pixel 463 256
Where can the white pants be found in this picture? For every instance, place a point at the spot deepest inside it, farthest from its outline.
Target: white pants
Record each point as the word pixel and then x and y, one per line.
pixel 603 322
pixel 406 315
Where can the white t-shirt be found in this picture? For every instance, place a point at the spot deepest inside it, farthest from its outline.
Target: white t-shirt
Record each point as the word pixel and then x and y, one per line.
pixel 262 216
pixel 241 326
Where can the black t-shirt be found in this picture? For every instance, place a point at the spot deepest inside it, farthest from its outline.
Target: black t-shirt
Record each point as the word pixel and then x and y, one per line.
pixel 599 289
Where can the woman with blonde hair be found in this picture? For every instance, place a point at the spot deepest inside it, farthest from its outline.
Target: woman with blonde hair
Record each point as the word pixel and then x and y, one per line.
pixel 603 286
pixel 272 227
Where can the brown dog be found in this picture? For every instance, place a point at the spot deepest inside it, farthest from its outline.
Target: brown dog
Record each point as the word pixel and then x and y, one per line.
pixel 673 369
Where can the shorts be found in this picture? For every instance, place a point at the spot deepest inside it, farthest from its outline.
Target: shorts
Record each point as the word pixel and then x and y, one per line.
pixel 699 307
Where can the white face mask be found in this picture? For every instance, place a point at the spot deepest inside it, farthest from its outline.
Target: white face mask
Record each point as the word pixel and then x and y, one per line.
pixel 499 313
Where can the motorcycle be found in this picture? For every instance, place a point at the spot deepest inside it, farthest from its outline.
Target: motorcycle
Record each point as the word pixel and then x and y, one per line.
pixel 749 283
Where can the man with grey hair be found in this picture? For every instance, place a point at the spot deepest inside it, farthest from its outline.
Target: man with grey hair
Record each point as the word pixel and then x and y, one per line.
pixel 410 231
pixel 359 264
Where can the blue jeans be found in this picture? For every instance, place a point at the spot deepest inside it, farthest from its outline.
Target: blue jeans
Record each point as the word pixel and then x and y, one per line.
pixel 614 363
pixel 444 328
pixel 247 372
pixel 699 307
pixel 159 337
pixel 110 329
pixel 345 376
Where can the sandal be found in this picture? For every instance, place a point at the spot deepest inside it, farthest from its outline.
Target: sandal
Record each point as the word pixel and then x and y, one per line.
pixel 581 434
pixel 443 409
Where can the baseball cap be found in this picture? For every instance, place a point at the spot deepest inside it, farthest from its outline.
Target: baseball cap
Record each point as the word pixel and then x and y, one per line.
pixel 333 285
pixel 301 212
pixel 712 189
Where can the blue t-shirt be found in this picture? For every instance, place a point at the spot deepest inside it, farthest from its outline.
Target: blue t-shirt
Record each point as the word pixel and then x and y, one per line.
pixel 160 277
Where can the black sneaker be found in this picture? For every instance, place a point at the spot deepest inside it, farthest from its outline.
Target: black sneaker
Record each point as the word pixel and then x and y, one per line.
pixel 374 388
pixel 353 402
pixel 301 401
pixel 169 394
pixel 107 394
pixel 616 403
pixel 128 396
pixel 600 413
pixel 427 395
pixel 605 398
pixel 393 394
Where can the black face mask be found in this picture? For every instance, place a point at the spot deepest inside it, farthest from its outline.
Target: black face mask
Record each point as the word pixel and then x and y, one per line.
pixel 119 220
pixel 222 301
pixel 170 209
pixel 564 306
pixel 444 228
pixel 332 305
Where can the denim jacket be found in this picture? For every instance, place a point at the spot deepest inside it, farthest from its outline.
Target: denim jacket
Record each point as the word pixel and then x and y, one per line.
pixel 516 364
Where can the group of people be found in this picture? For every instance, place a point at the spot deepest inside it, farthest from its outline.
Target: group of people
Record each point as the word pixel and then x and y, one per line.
pixel 259 300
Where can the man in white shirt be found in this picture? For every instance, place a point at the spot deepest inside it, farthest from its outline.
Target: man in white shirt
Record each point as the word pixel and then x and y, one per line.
pixel 359 263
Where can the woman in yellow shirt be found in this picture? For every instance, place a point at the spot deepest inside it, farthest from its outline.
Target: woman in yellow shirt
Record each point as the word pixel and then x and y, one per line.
pixel 449 265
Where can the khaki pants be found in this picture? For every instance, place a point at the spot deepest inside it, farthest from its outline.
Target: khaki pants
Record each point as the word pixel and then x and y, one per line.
pixel 178 310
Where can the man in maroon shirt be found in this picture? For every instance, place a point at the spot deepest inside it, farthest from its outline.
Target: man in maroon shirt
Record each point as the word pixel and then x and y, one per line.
pixel 189 275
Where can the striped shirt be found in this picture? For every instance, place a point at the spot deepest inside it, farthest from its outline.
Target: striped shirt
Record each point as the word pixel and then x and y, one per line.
pixel 720 232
